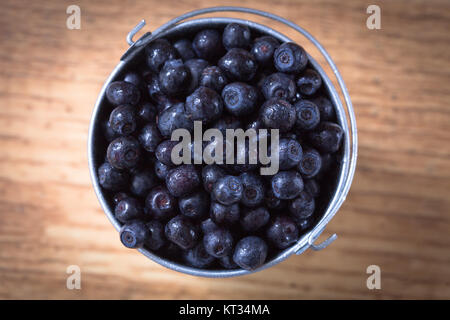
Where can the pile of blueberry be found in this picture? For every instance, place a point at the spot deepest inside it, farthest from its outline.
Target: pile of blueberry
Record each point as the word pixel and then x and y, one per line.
pixel 218 215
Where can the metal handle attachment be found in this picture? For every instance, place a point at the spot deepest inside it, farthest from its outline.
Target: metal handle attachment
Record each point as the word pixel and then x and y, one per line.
pixel 133 32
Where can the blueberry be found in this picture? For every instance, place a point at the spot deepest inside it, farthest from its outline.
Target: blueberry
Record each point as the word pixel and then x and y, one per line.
pixel 236 36
pixel 124 153
pixel 218 243
pixel 111 178
pixel 150 137
pixel 312 187
pixel 208 225
pixel 196 67
pixel 154 89
pixel 282 232
pixel 238 65
pixel 156 238
pixel 214 78
pixel 134 78
pixel 290 58
pixel 210 174
pixel 158 52
pixel 108 132
pixel 227 262
pixel 308 115
pixel 325 107
pixel 278 85
pixel 123 120
pixel 255 219
pixel 182 232
pixel 142 182
pixel 304 224
pixel 250 252
pixel 228 190
pixel 174 77
pixel 128 209
pixel 254 191
pixel 195 205
pixel 160 203
pixel 239 98
pixel 310 164
pixel 119 196
pixel 303 206
pixel 227 122
pixel 164 151
pixel 121 92
pixel 287 185
pixel 327 137
pixel 278 114
pixel 207 44
pixel 309 82
pixel 272 202
pixel 182 180
pixel 290 153
pixel 204 104
pixel 184 49
pixel 224 215
pixel 174 118
pixel 146 113
pixel 133 234
pixel 162 170
pixel 264 48
pixel 255 123
pixel 197 257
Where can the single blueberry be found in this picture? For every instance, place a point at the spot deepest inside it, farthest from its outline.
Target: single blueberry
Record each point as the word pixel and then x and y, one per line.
pixel 272 202
pixel 133 234
pixel 142 182
pixel 182 232
pixel 238 65
pixel 111 178
pixel 164 152
pixel 218 243
pixel 146 112
pixel 224 215
pixel 228 190
pixel 278 114
pixel 310 164
pixel 173 118
pixel 308 115
pixel 208 225
pixel 303 206
pixel 290 58
pixel 309 82
pixel 214 78
pixel 312 187
pixel 254 191
pixel 162 170
pixel 282 232
pixel 150 137
pixel 121 92
pixel 278 85
pixel 204 104
pixel 161 204
pixel 327 137
pixel 182 180
pixel 290 153
pixel 134 78
pixel 207 44
pixel 156 238
pixel 236 36
pixel 124 153
pixel 325 107
pixel 158 52
pixel 210 174
pixel 287 185
pixel 250 252
pixel 264 48
pixel 184 49
pixel 239 98
pixel 254 219
pixel 195 205
pixel 128 209
pixel 198 257
pixel 174 77
pixel 196 67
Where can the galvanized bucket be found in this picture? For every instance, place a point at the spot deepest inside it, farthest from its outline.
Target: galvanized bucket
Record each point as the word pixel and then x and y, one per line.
pixel 344 112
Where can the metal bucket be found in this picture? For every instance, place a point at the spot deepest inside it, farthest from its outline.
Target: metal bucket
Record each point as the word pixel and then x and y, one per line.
pixel 345 117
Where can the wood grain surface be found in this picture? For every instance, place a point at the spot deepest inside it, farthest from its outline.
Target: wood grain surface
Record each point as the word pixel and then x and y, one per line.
pixel 397 215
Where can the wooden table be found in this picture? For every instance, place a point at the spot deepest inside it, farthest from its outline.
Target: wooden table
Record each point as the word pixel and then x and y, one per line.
pixel 397 215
